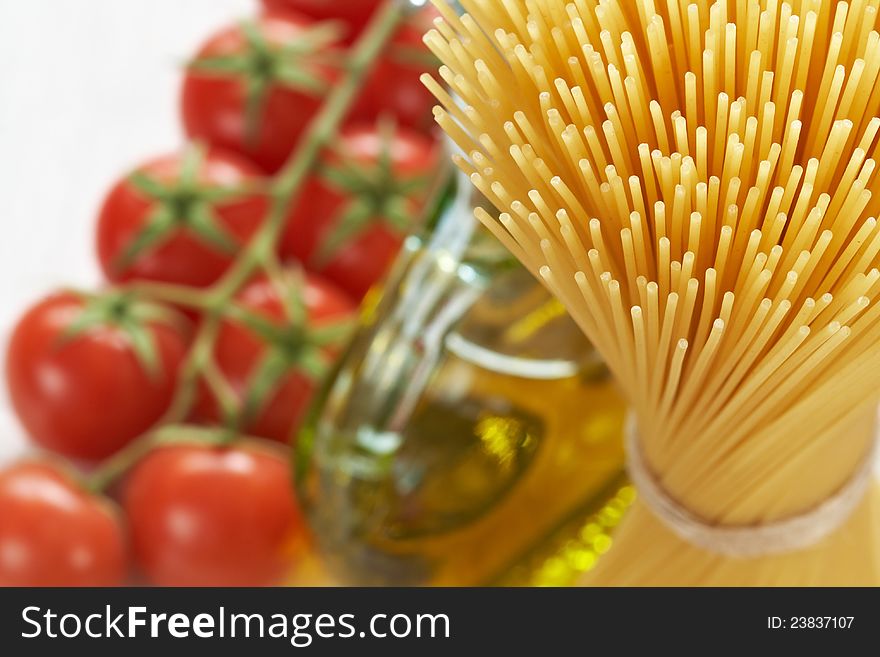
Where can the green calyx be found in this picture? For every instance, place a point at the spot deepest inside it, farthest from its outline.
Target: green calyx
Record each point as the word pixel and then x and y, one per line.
pixel 263 65
pixel 293 345
pixel 377 194
pixel 132 317
pixel 419 58
pixel 185 204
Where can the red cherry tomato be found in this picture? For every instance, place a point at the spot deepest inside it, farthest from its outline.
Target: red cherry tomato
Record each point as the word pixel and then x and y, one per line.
pixel 52 533
pixel 394 87
pixel 240 352
pixel 354 14
pixel 249 91
pixel 350 221
pixel 87 376
pixel 212 516
pixel 180 218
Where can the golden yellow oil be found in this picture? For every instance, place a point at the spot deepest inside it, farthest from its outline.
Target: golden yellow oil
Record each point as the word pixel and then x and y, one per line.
pixel 539 450
pixel 491 470
pixel 462 449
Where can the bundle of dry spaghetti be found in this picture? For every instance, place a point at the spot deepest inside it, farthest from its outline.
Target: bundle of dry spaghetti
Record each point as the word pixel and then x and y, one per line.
pixel 693 180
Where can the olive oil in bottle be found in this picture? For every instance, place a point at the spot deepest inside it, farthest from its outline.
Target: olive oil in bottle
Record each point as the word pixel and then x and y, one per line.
pixel 468 428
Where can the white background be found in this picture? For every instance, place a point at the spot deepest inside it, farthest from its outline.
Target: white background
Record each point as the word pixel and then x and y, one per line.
pixel 87 89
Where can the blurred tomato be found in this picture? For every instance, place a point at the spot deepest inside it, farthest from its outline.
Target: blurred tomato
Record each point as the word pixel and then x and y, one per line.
pixel 180 219
pixel 354 14
pixel 350 220
pixel 394 87
pixel 254 87
pixel 275 373
pixel 87 375
pixel 212 516
pixel 52 533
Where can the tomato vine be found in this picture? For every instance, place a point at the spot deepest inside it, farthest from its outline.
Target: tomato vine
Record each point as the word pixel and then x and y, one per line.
pixel 217 302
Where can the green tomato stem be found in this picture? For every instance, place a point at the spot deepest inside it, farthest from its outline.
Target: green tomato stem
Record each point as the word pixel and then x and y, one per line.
pixel 170 293
pixel 178 434
pixel 284 191
pixel 222 390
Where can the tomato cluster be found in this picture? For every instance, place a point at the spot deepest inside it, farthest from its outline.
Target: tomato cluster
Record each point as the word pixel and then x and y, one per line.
pixel 164 401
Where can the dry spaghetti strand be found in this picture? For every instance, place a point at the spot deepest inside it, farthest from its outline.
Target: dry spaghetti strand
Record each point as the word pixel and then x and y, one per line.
pixel 695 181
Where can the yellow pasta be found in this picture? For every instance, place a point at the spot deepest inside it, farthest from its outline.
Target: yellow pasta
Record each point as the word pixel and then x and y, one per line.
pixel 694 180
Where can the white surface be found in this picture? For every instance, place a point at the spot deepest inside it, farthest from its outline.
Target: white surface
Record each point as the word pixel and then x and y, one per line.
pixel 87 89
